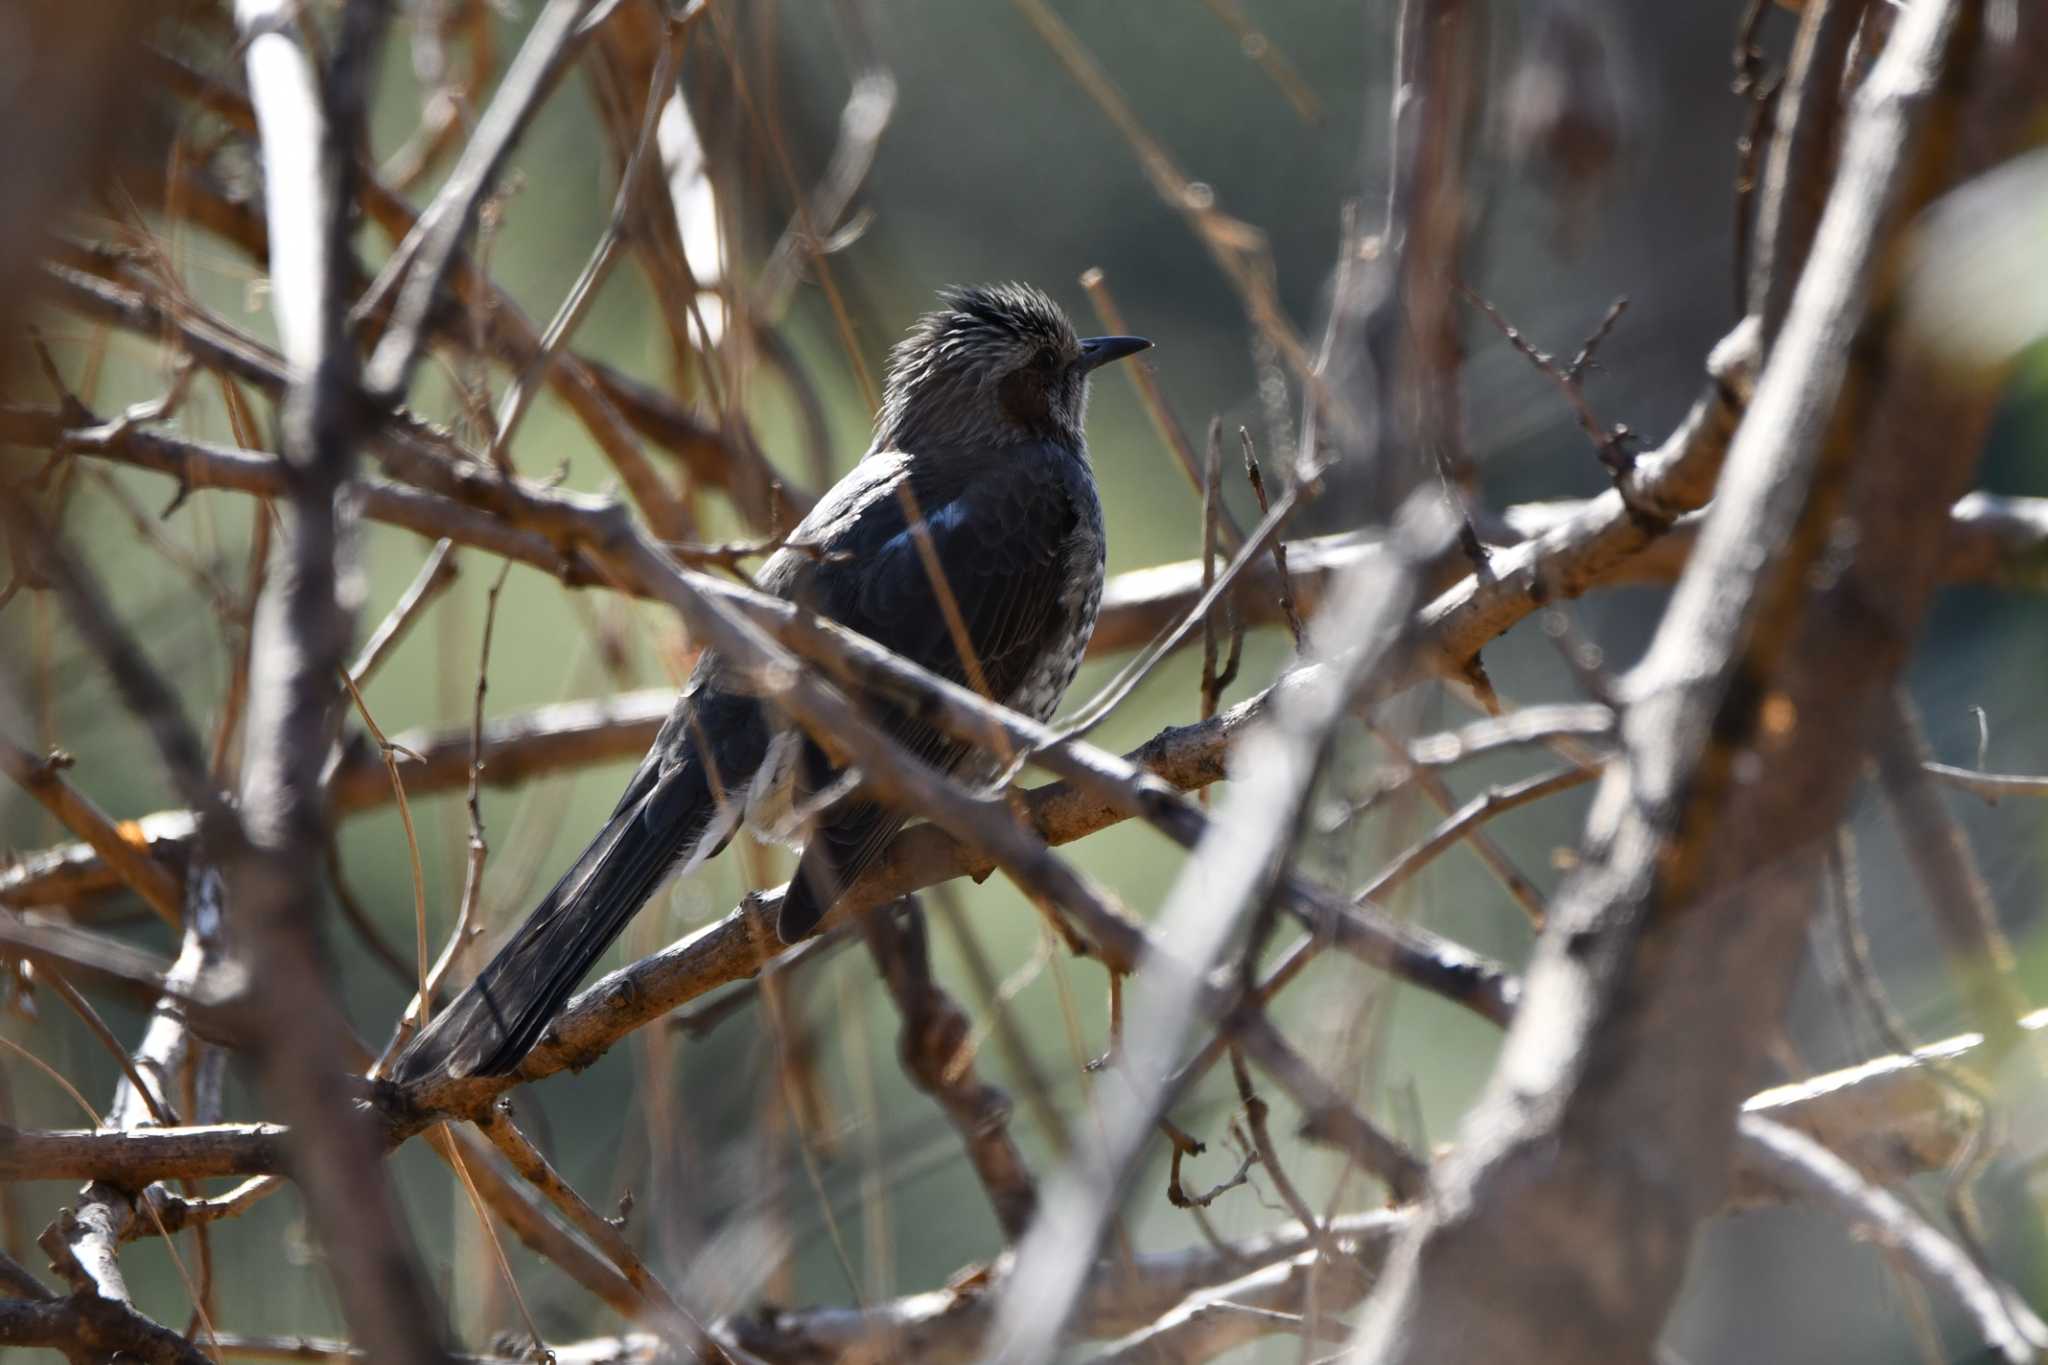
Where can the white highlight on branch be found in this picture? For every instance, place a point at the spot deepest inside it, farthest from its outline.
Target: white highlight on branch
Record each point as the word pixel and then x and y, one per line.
pixel 286 97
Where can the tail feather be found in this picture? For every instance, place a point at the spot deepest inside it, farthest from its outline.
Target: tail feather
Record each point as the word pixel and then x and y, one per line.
pixel 680 818
pixel 845 842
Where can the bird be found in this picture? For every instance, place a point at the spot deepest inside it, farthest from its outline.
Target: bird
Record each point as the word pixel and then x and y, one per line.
pixel 979 452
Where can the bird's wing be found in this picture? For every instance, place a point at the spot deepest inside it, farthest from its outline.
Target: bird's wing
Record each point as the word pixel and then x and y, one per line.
pixel 999 534
pixel 999 538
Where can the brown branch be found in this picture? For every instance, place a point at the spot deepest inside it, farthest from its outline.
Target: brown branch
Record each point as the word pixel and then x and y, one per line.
pixel 1461 822
pixel 524 1210
pixel 1491 855
pixel 1630 535
pixel 1657 489
pixel 18 1282
pixel 664 510
pixel 85 1243
pixel 586 385
pixel 1992 787
pixel 2001 1316
pixel 1991 540
pixel 420 265
pixel 622 69
pixel 136 976
pixel 1250 1306
pixel 937 1054
pixel 171 1213
pixel 310 123
pixel 430 582
pixel 1888 1117
pixel 1414 336
pixel 1175 1306
pixel 1238 249
pixel 708 608
pixel 584 546
pixel 1611 444
pixel 1256 1111
pixel 1213 683
pixel 948 1327
pixel 1283 577
pixel 128 860
pixel 140 686
pixel 1327 1116
pixel 157 1154
pixel 863 119
pixel 872 670
pixel 1666 969
pixel 651 1297
pixel 96 1328
pixel 1800 165
pixel 638 1348
pixel 1233 871
pixel 199 465
pixel 1260 48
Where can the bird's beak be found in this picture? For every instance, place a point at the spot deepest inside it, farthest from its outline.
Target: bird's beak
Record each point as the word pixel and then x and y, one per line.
pixel 1099 351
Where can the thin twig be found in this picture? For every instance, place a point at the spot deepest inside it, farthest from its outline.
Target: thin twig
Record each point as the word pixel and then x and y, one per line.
pixel 1327 1116
pixel 1459 824
pixel 527 1159
pixel 412 841
pixel 1285 581
pixel 653 496
pixel 1612 445
pixel 419 266
pixel 435 576
pixel 1212 496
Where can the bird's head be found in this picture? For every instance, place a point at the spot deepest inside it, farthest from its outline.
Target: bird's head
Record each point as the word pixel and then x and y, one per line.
pixel 996 365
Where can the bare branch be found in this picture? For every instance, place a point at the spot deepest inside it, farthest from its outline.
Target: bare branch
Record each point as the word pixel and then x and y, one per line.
pixel 430 582
pixel 310 128
pixel 2003 1318
pixel 1658 488
pixel 99 1327
pixel 1800 165
pixel 1665 969
pixel 525 1211
pixel 421 263
pixel 133 865
pixel 938 1056
pixel 141 687
pixel 1362 630
pixel 1328 1117
pixel 652 1297
pixel 587 386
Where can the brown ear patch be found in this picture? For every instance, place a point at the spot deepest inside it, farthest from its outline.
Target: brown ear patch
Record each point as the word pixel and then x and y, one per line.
pixel 1026 399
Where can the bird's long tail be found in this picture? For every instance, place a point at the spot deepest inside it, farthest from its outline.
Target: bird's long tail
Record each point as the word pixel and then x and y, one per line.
pixel 670 823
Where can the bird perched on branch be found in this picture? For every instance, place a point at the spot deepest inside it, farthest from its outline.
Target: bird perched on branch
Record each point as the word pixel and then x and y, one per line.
pixel 968 540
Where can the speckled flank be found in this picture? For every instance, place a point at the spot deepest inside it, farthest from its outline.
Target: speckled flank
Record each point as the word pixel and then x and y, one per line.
pixel 1085 558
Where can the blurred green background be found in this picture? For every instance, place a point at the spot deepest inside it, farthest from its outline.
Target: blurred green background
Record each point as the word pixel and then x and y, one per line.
pixel 997 166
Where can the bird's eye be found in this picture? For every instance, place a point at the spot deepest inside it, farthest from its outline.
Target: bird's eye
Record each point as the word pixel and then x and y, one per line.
pixel 1045 359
